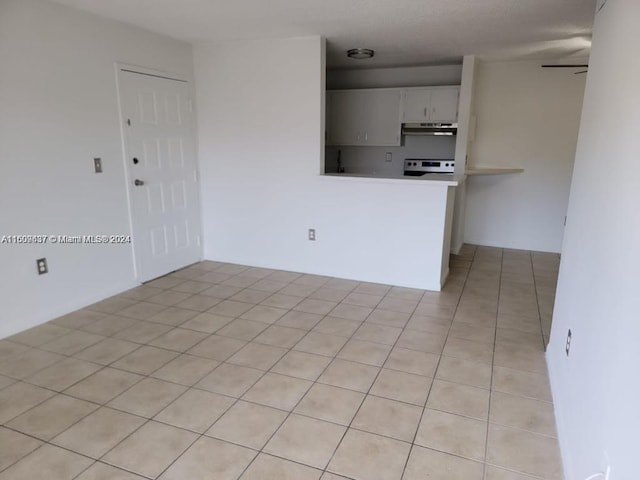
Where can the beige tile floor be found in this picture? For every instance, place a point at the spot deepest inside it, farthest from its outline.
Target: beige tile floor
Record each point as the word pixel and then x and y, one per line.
pixel 222 371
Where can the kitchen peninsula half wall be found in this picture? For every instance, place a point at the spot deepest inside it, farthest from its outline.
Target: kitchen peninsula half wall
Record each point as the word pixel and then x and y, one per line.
pixel 390 230
pixel 391 150
pixel 262 195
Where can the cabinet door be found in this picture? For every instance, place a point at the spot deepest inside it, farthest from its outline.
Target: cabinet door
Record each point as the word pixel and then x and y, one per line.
pixel 345 119
pixel 382 117
pixel 416 105
pixel 444 105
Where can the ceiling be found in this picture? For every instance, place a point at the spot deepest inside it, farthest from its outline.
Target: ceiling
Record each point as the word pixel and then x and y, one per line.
pixel 402 32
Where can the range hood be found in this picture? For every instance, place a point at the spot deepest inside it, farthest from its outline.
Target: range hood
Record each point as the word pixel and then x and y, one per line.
pixel 448 129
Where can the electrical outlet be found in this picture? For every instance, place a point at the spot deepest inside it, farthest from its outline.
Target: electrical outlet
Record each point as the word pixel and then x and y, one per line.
pixel 41 263
pixel 97 165
pixel 568 346
pixel 312 234
pixel 388 157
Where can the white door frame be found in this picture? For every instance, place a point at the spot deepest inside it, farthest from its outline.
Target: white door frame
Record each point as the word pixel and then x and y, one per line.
pixel 129 68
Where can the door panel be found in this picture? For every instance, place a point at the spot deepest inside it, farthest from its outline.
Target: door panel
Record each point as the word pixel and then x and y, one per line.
pixel 444 105
pixel 416 105
pixel 346 118
pixel 165 208
pixel 365 117
pixel 382 117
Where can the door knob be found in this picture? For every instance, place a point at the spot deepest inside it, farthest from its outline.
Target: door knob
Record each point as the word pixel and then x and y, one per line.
pixel 138 183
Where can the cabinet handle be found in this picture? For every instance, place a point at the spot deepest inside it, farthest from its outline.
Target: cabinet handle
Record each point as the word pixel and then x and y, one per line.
pixel 425 111
pixel 366 137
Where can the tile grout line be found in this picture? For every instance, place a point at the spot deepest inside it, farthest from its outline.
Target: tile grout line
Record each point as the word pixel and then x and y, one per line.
pixel 495 339
pixel 148 420
pixel 424 409
pixel 289 350
pixel 314 382
pixel 104 405
pixel 535 287
pixel 200 436
pixel 323 470
pixel 370 387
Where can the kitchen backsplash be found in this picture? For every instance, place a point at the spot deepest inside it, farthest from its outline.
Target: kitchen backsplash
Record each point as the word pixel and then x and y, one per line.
pixel 372 160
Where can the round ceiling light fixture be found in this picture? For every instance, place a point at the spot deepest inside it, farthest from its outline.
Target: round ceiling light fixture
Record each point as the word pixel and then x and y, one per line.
pixel 360 53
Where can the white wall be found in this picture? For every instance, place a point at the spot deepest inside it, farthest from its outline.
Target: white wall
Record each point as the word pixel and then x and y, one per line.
pixel 372 160
pixel 596 389
pixel 394 77
pixel 466 132
pixel 59 110
pixel 260 108
pixel 526 117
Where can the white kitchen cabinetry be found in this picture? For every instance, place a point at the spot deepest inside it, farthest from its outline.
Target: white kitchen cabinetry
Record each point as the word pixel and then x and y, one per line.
pixel 433 104
pixel 416 105
pixel 382 117
pixel 343 117
pixel 364 117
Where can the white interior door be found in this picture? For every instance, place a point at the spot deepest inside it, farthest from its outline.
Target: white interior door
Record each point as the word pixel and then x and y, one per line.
pixel 160 155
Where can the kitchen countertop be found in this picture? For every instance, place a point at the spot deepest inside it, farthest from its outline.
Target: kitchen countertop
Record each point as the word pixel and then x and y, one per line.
pixel 432 179
pixel 492 170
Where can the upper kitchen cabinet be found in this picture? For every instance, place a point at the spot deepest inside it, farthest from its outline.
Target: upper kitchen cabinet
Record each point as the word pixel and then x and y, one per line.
pixel 431 105
pixel 344 117
pixel 416 105
pixel 364 117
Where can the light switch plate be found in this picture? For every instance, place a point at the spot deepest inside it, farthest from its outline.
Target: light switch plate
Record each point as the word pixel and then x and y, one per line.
pixel 97 164
pixel 388 157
